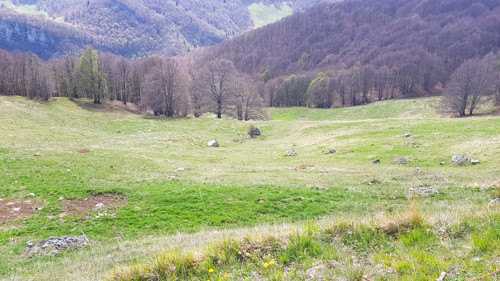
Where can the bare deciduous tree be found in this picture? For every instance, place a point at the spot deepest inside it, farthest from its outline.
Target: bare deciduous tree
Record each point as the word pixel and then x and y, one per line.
pixel 216 82
pixel 469 83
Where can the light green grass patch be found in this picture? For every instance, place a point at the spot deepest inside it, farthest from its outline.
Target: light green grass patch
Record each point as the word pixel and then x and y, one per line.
pixel 262 14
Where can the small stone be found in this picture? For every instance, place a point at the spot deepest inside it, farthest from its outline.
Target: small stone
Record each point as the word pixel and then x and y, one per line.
pixel 401 160
pixel 407 135
pixel 180 169
pixel 9 204
pixel 474 162
pixel 417 170
pixel 1 199
pixel 213 143
pixel 99 205
pixel 61 198
pixel 376 161
pixel 495 201
pixel 249 137
pixel 38 154
pixel 118 132
pixel 424 191
pixel 137 208
pixel 256 132
pixel 51 217
pixel 291 153
pixel 16 209
pixel 459 160
pixel 332 151
pixel 442 163
pixel 31 194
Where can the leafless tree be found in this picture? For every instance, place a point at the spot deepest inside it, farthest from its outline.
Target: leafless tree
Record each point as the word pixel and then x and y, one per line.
pixel 469 83
pixel 165 89
pixel 215 81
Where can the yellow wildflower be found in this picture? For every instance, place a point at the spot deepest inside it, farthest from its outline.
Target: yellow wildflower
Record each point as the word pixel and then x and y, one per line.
pixel 226 275
pixel 266 265
pixel 271 262
pixel 211 270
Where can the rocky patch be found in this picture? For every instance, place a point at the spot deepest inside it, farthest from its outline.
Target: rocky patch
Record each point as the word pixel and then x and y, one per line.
pixel 55 245
pixel 426 191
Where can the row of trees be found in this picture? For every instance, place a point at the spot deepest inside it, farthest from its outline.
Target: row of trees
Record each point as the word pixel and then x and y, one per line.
pixel 165 86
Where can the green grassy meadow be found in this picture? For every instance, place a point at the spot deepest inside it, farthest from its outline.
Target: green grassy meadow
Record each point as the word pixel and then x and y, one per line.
pixel 182 195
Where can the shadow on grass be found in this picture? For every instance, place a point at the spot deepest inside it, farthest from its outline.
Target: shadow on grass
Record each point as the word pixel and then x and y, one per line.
pixel 106 106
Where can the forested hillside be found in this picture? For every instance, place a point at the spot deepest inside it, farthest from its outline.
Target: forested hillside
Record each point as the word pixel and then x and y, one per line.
pixel 334 55
pixel 359 51
pixel 130 28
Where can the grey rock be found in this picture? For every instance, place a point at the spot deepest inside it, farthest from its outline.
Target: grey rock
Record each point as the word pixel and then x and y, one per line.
pixel 401 160
pixel 424 191
pixel 407 135
pixel 99 205
pixel 442 163
pixel 291 153
pixel 256 132
pixel 417 170
pixel 332 151
pixel 118 132
pixel 376 161
pixel 459 160
pixel 248 137
pixel 495 201
pixel 16 209
pixel 213 143
pixel 474 161
pixel 57 244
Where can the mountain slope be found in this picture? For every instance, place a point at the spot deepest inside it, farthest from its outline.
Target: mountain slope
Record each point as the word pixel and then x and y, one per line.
pixel 126 27
pixel 394 33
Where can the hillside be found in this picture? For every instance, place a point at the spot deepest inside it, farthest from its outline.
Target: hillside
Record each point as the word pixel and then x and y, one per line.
pixel 382 48
pixel 131 28
pixel 163 189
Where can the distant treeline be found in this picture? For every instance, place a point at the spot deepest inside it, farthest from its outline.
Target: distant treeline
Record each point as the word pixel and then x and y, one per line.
pixel 170 87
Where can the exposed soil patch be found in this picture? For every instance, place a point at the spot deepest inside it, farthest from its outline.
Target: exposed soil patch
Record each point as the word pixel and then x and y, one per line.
pixel 83 151
pixel 98 202
pixel 13 210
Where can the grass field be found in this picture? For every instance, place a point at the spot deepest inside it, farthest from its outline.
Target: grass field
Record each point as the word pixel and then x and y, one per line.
pixel 180 195
pixel 262 14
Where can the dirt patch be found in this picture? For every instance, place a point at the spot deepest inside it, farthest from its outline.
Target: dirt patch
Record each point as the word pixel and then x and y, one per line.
pixel 13 210
pixel 83 151
pixel 99 202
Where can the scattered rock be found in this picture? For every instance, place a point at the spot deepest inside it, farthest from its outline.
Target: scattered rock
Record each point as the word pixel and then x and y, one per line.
pixel 442 163
pixel 249 137
pixel 213 143
pixel 441 277
pixel 332 151
pixel 407 135
pixel 137 208
pixel 99 205
pixel 417 170
pixel 31 194
pixel 291 153
pixel 495 201
pixel 474 161
pixel 57 244
pixel 459 160
pixel 118 132
pixel 256 132
pixel 51 217
pixel 376 161
pixel 16 209
pixel 424 191
pixel 253 132
pixel 61 198
pixel 37 154
pixel 401 160
pixel 180 169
